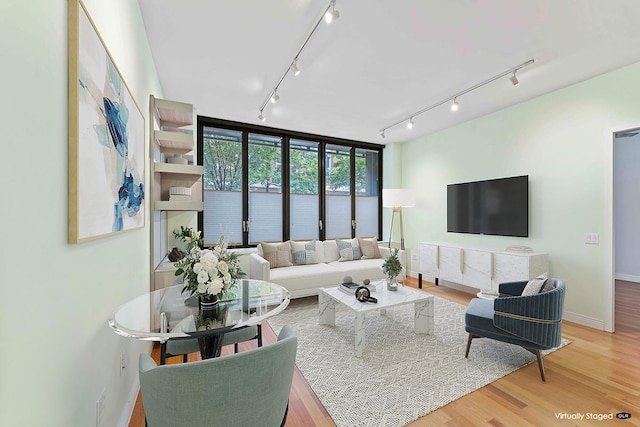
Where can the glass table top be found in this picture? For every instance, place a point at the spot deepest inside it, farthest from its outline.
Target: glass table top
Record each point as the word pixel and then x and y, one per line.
pixel 168 313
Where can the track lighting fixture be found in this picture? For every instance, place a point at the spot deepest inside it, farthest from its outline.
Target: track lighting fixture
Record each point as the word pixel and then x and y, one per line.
pixel 410 123
pixel 332 14
pixel 514 80
pixel 454 106
pixel 454 98
pixel 329 14
pixel 294 67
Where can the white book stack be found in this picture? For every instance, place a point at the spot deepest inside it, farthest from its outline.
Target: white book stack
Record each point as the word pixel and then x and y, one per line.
pixel 179 194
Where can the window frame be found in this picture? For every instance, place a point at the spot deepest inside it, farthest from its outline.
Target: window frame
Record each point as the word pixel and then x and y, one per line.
pixel 287 135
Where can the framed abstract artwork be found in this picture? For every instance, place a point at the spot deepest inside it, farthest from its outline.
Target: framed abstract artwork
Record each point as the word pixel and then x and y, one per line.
pixel 106 139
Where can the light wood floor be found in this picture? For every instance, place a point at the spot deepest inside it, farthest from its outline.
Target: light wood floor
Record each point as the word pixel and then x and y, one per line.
pixel 596 374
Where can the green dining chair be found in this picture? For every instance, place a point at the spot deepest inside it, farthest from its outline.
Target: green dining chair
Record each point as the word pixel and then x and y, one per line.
pixel 250 388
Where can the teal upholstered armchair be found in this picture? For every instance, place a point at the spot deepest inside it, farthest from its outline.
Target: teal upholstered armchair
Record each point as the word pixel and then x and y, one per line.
pixel 533 322
pixel 244 389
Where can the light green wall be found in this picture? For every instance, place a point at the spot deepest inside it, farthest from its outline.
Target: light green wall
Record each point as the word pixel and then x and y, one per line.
pixel 563 142
pixel 57 351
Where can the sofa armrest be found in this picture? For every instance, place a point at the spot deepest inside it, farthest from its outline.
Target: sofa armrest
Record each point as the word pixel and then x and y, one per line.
pixel 512 288
pixel 259 267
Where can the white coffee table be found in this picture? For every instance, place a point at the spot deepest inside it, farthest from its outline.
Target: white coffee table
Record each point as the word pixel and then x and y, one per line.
pixel 423 308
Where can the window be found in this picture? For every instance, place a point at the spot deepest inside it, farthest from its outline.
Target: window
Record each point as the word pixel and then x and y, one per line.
pixel 304 190
pixel 263 184
pixel 222 185
pixel 367 193
pixel 265 188
pixel 338 192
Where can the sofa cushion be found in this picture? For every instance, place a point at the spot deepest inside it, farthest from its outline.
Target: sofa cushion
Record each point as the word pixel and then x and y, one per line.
pixel 320 251
pixel 331 251
pixel 548 286
pixel 534 285
pixel 349 250
pixel 278 254
pixel 369 248
pixel 363 269
pixel 303 253
pixel 304 280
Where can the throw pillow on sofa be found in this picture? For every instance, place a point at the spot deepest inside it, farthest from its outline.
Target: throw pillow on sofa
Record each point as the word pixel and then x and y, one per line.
pixel 349 250
pixel 304 253
pixel 278 254
pixel 369 248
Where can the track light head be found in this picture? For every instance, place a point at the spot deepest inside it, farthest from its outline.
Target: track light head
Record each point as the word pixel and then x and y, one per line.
pixel 332 14
pixel 382 134
pixel 294 68
pixel 261 117
pixel 410 123
pixel 454 106
pixel 274 97
pixel 514 80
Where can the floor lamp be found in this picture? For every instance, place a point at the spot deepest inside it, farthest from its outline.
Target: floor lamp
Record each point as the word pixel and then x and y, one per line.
pixel 397 198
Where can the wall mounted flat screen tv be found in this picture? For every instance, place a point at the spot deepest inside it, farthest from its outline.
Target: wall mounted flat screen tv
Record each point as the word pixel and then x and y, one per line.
pixel 495 207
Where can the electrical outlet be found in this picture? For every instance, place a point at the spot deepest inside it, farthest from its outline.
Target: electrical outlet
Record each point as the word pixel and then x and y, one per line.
pixel 591 239
pixel 100 406
pixel 122 364
pixel 414 257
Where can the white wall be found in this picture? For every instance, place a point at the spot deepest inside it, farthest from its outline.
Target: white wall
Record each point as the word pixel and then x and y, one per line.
pixel 563 141
pixel 626 180
pixel 58 352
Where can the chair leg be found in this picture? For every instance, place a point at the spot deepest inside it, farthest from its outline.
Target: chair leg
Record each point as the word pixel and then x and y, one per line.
pixel 163 353
pixel 259 334
pixel 235 348
pixel 471 337
pixel 540 364
pixel 184 358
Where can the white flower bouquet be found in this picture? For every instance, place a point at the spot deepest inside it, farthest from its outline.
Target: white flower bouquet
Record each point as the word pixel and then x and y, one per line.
pixel 209 272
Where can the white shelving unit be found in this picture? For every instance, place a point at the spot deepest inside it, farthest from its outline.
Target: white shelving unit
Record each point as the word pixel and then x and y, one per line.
pixel 172 132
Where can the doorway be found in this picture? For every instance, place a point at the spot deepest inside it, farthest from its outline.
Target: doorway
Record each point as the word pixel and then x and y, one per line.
pixel 626 211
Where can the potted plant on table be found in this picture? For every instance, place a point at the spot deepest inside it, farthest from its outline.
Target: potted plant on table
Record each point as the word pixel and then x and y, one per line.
pixel 392 267
pixel 210 272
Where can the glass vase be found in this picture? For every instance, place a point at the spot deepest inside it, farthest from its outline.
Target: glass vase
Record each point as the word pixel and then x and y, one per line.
pixel 392 283
pixel 208 302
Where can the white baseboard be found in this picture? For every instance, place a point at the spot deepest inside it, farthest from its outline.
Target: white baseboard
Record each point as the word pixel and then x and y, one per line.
pixel 584 320
pixel 627 277
pixel 127 411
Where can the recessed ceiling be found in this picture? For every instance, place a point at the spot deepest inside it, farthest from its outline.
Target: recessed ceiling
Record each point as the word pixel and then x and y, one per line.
pixel 381 61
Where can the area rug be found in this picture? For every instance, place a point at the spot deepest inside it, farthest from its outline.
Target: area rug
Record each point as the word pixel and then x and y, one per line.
pixel 401 376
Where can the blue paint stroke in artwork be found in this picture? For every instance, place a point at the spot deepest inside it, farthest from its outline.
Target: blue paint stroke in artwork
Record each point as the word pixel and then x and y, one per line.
pixel 117 126
pixel 102 134
pixel 114 77
pixel 130 197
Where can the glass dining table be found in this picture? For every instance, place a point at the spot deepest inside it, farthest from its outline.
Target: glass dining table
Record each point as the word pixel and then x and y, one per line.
pixel 169 314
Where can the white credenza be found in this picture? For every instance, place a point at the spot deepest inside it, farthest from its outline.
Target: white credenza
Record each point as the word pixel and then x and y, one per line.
pixel 478 268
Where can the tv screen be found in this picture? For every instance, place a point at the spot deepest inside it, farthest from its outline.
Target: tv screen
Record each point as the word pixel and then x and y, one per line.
pixel 495 207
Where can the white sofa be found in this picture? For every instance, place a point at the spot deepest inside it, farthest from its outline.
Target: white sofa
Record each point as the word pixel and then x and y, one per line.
pixel 304 280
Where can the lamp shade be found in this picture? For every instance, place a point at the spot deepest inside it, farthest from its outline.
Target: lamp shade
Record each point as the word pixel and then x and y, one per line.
pixel 398 197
